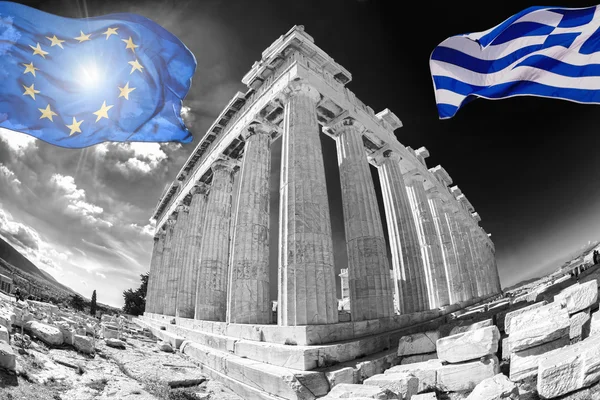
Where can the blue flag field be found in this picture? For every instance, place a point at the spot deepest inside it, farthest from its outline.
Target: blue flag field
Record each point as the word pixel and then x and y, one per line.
pixel 542 51
pixel 79 82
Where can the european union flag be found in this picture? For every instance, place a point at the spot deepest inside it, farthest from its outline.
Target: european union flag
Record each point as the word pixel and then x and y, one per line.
pixel 79 82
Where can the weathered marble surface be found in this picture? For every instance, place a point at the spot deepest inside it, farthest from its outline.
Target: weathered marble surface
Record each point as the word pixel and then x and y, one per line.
pixel 468 345
pixel 175 261
pixel 155 265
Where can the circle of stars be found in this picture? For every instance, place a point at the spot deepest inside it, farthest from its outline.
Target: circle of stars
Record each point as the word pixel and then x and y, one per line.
pixel 48 113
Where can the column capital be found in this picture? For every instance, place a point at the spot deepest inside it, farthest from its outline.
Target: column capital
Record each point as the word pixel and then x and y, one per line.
pixel 385 154
pixel 224 164
pixel 299 88
pixel 258 128
pixel 171 221
pixel 413 176
pixel 199 188
pixel 441 174
pixel 160 234
pixel 340 126
pixel 182 208
pixel 476 216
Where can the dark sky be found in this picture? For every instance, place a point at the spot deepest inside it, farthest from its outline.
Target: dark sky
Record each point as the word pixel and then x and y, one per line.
pixel 530 166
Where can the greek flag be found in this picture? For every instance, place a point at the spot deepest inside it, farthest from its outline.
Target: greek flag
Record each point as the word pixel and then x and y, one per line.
pixel 541 51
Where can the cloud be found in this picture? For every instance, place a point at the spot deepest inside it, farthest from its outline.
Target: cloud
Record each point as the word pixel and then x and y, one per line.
pixel 17 141
pixel 146 230
pixel 101 275
pixel 18 234
pixel 84 283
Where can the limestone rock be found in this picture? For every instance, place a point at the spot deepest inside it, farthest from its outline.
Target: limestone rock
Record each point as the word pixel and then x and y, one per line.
pixel 8 359
pixel 595 323
pixel 524 363
pixel 83 344
pixel 469 345
pixel 418 343
pixel 580 325
pixel 426 373
pixel 425 396
pixel 465 376
pixel 116 343
pixel 505 349
pixel 166 347
pixel 470 327
pixel 4 335
pixel 348 391
pixel 417 358
pixel 539 326
pixel 509 316
pixel 579 296
pixel 497 387
pixel 47 333
pixel 403 384
pixel 7 319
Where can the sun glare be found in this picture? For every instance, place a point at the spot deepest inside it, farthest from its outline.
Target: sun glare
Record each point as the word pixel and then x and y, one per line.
pixel 90 75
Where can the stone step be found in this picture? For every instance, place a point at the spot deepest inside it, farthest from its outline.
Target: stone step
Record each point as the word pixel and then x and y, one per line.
pixel 279 382
pixel 303 358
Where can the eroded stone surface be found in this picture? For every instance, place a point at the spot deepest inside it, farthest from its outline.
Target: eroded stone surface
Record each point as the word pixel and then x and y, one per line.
pixel 580 325
pixel 539 326
pixel 48 333
pixel 7 357
pixel 470 327
pixel 497 387
pixel 579 296
pixel 349 391
pixel 465 376
pixel 513 314
pixel 418 343
pixel 524 364
pixel 403 384
pixel 469 345
pixel 426 373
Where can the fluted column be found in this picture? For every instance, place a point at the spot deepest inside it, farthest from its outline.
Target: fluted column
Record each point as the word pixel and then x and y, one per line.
pixel 307 292
pixel 176 261
pixel 485 261
pixel 368 267
pixel 430 244
pixel 453 220
pixel 249 296
pixel 155 263
pixel 409 273
pixel 470 277
pixel 448 253
pixel 188 278
pixel 165 265
pixel 478 268
pixel 211 291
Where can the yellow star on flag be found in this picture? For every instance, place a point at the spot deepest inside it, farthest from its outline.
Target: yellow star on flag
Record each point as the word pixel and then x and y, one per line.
pixel 125 91
pixel 38 50
pixel 30 68
pixel 55 41
pixel 130 44
pixel 109 32
pixel 30 91
pixel 83 37
pixel 47 113
pixel 135 65
pixel 103 111
pixel 74 127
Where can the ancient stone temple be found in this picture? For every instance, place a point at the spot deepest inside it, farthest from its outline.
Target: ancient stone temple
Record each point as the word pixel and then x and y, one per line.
pixel 209 274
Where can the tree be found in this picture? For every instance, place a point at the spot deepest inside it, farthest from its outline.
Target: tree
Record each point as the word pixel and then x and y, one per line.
pixel 93 304
pixel 77 302
pixel 135 300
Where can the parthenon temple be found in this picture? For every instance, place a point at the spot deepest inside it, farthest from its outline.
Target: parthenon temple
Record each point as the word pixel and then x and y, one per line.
pixel 425 256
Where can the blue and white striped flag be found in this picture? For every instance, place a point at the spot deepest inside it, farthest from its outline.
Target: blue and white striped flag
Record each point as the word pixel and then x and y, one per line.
pixel 541 51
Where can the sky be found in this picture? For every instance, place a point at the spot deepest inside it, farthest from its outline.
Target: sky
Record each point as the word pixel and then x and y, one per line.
pixel 530 166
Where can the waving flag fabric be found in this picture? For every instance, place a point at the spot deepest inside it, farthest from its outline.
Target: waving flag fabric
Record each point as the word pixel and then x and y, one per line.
pixel 542 51
pixel 78 82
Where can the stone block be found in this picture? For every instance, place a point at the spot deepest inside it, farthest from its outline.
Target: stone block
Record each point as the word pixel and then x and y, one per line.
pixel 524 364
pixel 425 396
pixel 83 344
pixel 4 334
pixel 426 373
pixel 595 324
pixel 403 384
pixel 47 333
pixel 579 296
pixel 505 349
pixel 512 314
pixel 498 387
pixel 465 376
pixel 470 327
pixel 539 326
pixel 418 343
pixel 417 358
pixel 349 391
pixel 7 319
pixel 580 325
pixel 469 345
pixel 340 375
pixel 8 358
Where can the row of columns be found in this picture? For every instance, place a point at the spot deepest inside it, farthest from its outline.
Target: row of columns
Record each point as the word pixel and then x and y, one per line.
pixel 210 261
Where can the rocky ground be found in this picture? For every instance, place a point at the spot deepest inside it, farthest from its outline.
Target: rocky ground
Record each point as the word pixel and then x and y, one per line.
pixel 135 367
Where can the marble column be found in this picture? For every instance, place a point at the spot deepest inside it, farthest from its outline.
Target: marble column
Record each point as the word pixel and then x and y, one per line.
pixel 165 265
pixel 344 283
pixel 409 283
pixel 430 244
pixel 155 262
pixel 188 278
pixel 485 262
pixel 453 220
pixel 249 293
pixel 451 268
pixel 176 261
pixel 478 267
pixel 307 292
pixel 371 296
pixel 211 291
pixel 470 277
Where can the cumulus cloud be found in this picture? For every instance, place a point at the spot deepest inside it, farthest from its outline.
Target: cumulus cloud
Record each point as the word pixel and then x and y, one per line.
pixel 9 175
pixel 101 275
pixel 16 141
pixel 18 234
pixel 146 230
